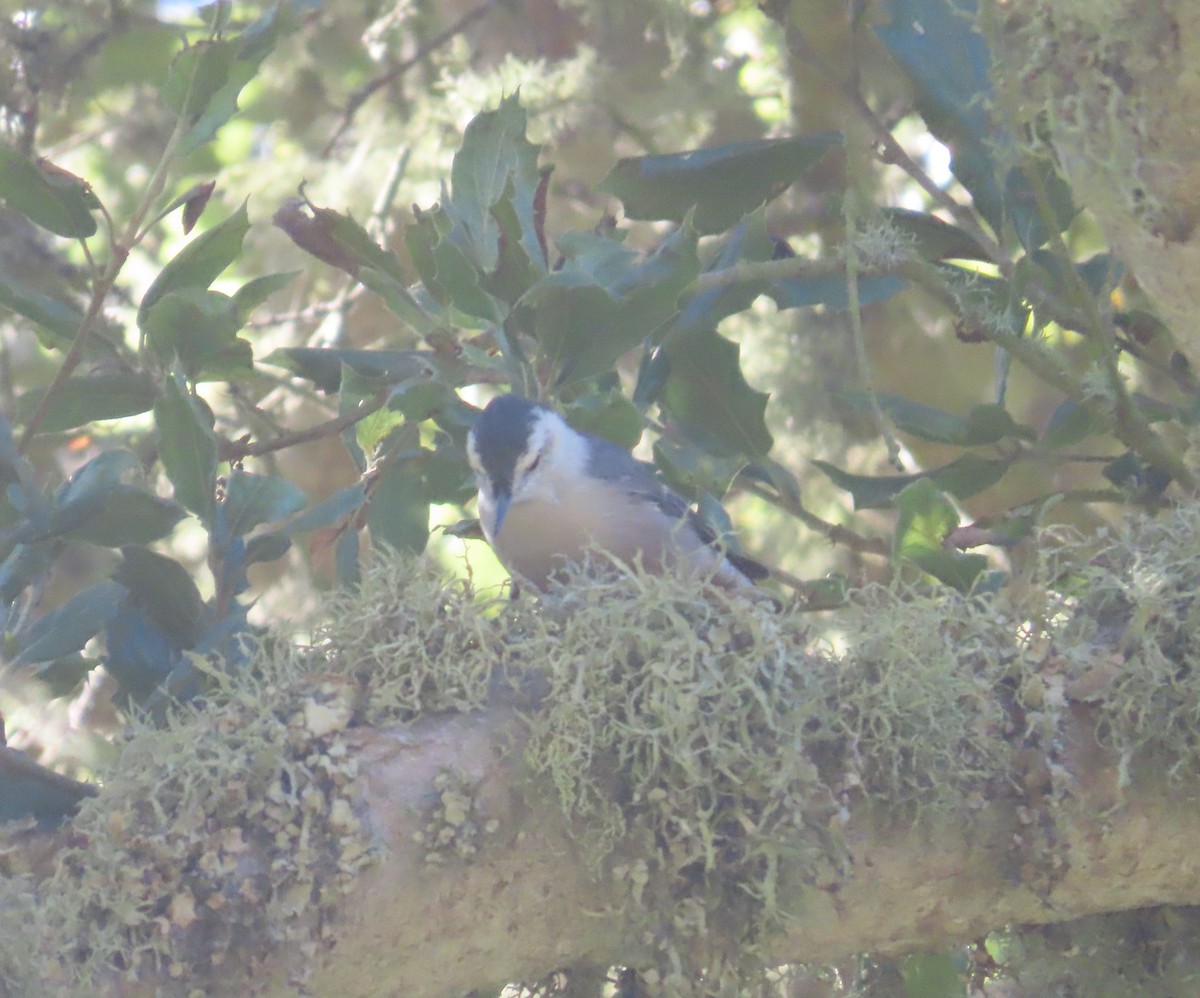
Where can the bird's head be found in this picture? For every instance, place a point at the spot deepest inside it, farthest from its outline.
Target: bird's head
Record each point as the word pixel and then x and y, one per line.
pixel 517 449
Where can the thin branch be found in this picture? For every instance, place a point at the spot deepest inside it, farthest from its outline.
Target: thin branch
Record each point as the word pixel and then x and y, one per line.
pixel 235 450
pixel 834 532
pixel 360 96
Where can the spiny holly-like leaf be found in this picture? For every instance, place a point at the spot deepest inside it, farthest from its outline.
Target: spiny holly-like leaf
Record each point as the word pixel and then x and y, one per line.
pixel 708 397
pixel 201 261
pixel 495 166
pixel 188 448
pixel 722 184
pixel 48 196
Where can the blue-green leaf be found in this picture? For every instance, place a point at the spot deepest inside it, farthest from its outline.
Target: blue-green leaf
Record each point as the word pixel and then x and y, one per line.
pixel 68 628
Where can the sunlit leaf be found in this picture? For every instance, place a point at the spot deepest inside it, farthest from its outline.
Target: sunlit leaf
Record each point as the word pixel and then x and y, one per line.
pixel 201 261
pixel 926 519
pixel 722 184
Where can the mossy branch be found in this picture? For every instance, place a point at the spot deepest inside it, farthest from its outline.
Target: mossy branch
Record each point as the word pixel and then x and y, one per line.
pixel 448 793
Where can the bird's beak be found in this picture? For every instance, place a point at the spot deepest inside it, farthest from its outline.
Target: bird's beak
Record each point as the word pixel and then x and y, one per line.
pixel 502 502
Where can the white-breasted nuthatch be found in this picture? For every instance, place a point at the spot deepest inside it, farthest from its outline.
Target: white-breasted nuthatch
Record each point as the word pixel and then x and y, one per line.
pixel 550 496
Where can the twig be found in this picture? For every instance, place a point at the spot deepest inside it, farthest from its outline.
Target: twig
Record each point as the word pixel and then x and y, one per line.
pixel 360 96
pixel 836 534
pixel 234 450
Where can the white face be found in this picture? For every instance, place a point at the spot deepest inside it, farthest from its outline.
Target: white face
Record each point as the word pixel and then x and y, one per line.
pixel 552 446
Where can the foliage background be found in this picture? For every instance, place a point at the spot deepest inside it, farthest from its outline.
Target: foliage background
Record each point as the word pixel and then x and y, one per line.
pixel 147 559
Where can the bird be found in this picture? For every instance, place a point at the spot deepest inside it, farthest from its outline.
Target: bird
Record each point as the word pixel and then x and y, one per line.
pixel 551 496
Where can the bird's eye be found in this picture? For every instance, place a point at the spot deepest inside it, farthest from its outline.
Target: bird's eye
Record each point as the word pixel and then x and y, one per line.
pixel 533 465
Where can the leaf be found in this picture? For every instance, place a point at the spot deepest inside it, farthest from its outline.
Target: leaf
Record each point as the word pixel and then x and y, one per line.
pixel 926 519
pixel 336 508
pixel 583 328
pixel 29 790
pixel 831 291
pixel 938 46
pixel 335 238
pixel 1069 424
pixel 963 478
pixel 253 499
pixel 69 627
pixel 140 654
pixel 164 589
pixel 58 318
pixel 266 547
pixel 88 399
pixel 399 512
pixel 934 239
pixel 128 516
pixel 194 200
pixel 398 299
pixel 187 446
pixel 984 424
pixel 201 261
pixel 709 399
pixel 606 414
pixel 691 471
pixel 199 329
pixel 496 166
pixel 253 293
pixel 323 366
pixel 933 975
pixel 52 198
pixel 446 270
pixel 722 183
pixel 205 79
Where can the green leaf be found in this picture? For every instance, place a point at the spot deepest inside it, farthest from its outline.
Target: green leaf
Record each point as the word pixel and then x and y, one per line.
pixel 68 628
pixel 323 366
pixel 333 509
pixel 83 400
pixel 495 166
pixel 58 318
pixel 188 448
pixel 201 261
pixel 398 299
pixel 253 293
pixel 47 196
pixel 1069 424
pixel 934 239
pixel 933 975
pixel 129 516
pixel 708 398
pixel 205 79
pixel 446 270
pixel 399 512
pixel 926 519
pixel 722 184
pixel 198 327
pixel 165 591
pixel 984 424
pixel 583 328
pixel 963 478
pixel 691 471
pixel 606 414
pixel 253 499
